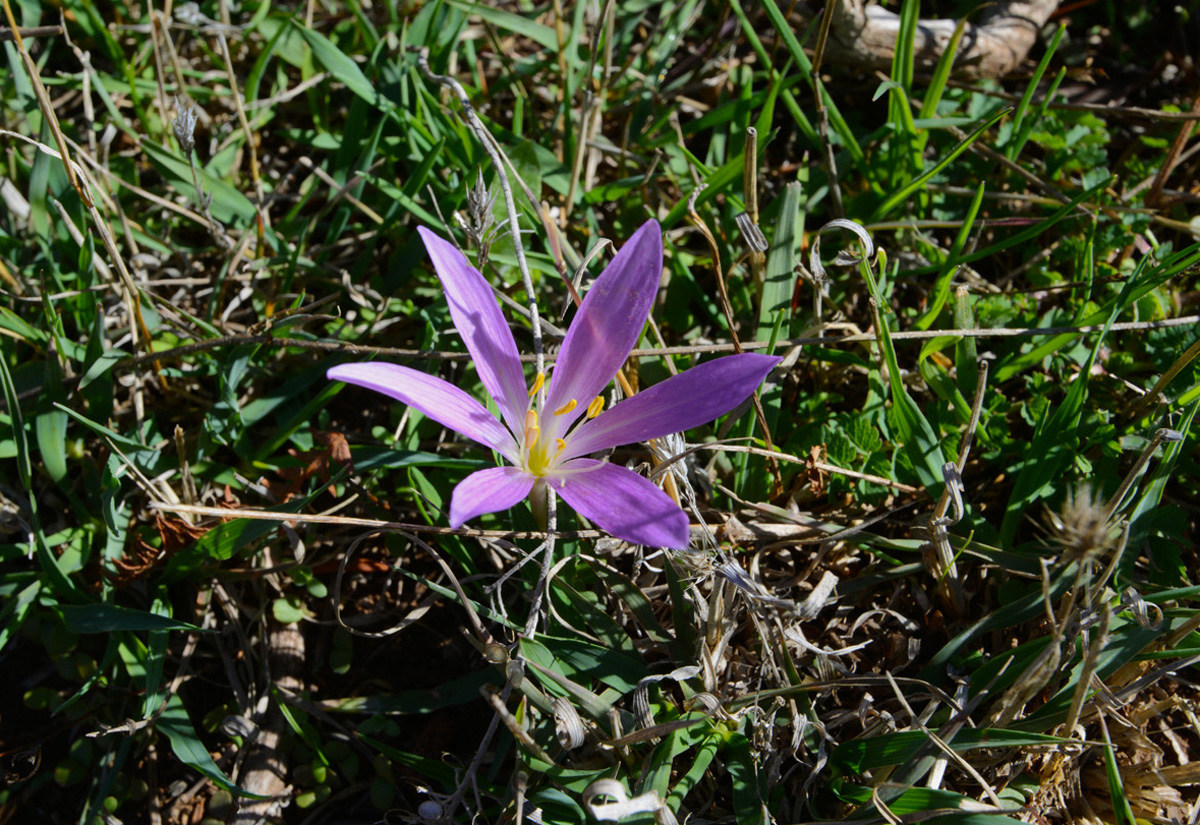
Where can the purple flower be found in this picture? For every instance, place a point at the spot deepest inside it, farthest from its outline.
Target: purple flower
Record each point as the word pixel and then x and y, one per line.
pixel 547 444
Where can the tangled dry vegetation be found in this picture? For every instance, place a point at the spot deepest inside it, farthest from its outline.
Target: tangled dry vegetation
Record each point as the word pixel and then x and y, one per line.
pixel 942 568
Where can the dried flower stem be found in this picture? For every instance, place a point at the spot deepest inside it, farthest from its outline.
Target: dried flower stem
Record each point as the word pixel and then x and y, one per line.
pixel 727 307
pixel 695 349
pixel 514 227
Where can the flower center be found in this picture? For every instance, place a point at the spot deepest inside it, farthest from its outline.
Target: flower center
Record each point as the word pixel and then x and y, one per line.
pixel 540 448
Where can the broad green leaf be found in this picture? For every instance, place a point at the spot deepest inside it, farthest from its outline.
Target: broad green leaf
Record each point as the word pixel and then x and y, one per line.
pixel 343 68
pixel 749 781
pixel 51 429
pixel 188 748
pixel 523 25
pixel 779 277
pixel 228 204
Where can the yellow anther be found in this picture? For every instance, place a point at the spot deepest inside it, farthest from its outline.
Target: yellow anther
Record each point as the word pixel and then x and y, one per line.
pixel 531 427
pixel 595 408
pixel 566 408
pixel 562 445
pixel 537 384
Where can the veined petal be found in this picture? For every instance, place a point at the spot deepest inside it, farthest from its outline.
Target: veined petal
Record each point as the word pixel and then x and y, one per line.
pixel 680 403
pixel 438 399
pixel 621 502
pixel 608 324
pixel 488 491
pixel 483 329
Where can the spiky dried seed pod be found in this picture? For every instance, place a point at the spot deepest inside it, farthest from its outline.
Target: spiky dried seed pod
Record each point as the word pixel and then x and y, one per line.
pixel 1082 529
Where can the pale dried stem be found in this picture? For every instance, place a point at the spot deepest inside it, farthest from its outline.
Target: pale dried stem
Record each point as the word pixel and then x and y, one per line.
pixel 348 521
pixel 789 459
pixel 696 349
pixel 948 578
pixel 1139 407
pixel 514 226
pixel 160 97
pixel 1172 157
pixel 243 122
pixel 759 413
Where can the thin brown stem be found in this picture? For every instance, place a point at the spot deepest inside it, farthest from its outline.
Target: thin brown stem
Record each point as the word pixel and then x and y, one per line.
pixel 759 413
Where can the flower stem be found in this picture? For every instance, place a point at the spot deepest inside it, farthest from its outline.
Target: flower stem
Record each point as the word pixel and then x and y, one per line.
pixel 514 228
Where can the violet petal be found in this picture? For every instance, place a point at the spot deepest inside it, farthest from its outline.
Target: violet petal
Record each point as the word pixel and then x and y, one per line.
pixel 483 329
pixel 608 324
pixel 438 399
pixel 680 403
pixel 621 502
pixel 488 491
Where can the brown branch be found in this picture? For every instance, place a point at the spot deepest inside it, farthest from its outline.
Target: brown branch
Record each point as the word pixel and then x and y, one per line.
pixel 865 36
pixel 7 35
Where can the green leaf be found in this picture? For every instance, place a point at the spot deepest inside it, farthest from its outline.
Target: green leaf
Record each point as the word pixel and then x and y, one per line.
pixel 219 544
pixel 1142 515
pixel 784 30
pixel 342 67
pixel 779 277
pixel 1020 128
pixel 288 610
pixel 188 748
pixel 873 752
pixel 950 267
pixel 749 793
pixel 51 429
pixel 715 183
pixel 1122 811
pixel 899 196
pixel 522 25
pixel 107 618
pixel 13 323
pixel 228 204
pixel 1056 433
pixel 914 432
pixel 15 610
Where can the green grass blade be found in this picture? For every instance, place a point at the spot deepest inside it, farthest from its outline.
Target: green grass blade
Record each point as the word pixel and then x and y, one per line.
pixel 1122 811
pixel 522 25
pixel 941 289
pixel 1026 235
pixel 342 67
pixel 784 30
pixel 941 74
pixel 1020 138
pixel 188 748
pixel 915 434
pixel 110 618
pixel 898 197
pixel 1050 449
pixel 779 277
pixel 907 152
pixel 1022 108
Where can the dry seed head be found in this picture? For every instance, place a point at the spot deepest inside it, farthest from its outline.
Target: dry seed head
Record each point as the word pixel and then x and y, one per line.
pixel 184 125
pixel 480 217
pixel 1082 528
